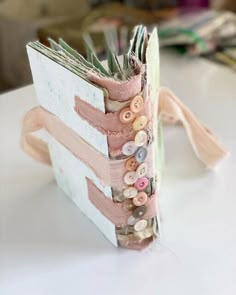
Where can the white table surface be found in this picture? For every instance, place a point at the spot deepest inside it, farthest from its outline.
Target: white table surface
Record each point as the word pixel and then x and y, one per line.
pixel 48 247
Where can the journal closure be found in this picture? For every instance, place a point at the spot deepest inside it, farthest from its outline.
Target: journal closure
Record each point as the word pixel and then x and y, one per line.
pixel 133 174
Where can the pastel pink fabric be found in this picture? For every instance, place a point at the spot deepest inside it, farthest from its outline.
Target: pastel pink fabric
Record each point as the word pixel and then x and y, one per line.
pixel 117 133
pixel 120 91
pixel 38 118
pixel 137 245
pixel 116 212
pixel 205 144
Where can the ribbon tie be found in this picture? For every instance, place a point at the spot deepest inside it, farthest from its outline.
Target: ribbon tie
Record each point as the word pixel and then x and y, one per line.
pixel 207 148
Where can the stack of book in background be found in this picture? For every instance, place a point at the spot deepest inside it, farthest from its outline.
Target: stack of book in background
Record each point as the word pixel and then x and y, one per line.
pixel 206 32
pixel 195 32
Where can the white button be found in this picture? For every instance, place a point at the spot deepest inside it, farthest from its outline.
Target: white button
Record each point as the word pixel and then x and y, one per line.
pixel 132 220
pixel 129 148
pixel 130 177
pixel 142 170
pixel 141 138
pixel 140 225
pixel 130 192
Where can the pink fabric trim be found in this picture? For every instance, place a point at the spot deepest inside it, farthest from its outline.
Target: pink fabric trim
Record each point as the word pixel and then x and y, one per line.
pixel 137 245
pixel 206 146
pixel 118 133
pixel 113 170
pixel 204 143
pixel 120 91
pixel 115 211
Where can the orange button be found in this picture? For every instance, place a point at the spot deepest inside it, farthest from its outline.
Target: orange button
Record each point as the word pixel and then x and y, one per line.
pixel 131 164
pixel 140 199
pixel 126 115
pixel 137 104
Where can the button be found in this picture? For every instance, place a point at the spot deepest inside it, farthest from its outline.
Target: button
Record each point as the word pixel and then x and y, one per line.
pixel 141 138
pixel 128 206
pixel 142 170
pixel 141 154
pixel 141 183
pixel 132 220
pixel 131 164
pixel 129 148
pixel 130 177
pixel 140 123
pixel 140 225
pixel 126 115
pixel 137 104
pixel 140 199
pixel 139 212
pixel 130 192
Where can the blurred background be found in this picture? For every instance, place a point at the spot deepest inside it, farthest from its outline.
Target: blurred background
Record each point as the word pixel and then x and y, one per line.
pixel 193 27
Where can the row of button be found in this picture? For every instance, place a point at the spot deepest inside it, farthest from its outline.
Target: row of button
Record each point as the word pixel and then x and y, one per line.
pixel 130 148
pixel 128 114
pixel 132 176
pixel 135 176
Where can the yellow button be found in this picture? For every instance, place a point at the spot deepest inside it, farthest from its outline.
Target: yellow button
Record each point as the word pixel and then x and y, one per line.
pixel 126 115
pixel 140 123
pixel 131 164
pixel 130 192
pixel 136 104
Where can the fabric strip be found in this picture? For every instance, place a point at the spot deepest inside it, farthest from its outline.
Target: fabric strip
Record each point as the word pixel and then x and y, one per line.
pixel 119 91
pixel 207 148
pixel 136 245
pixel 117 133
pixel 115 212
pixel 113 170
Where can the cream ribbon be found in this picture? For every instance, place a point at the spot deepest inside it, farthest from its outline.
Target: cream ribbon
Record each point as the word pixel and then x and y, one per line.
pixel 205 144
pixel 207 148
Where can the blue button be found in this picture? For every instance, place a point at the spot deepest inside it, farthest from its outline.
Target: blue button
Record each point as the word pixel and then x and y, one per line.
pixel 141 154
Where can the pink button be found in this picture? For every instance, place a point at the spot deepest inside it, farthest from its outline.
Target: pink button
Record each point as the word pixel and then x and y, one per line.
pixel 126 115
pixel 141 183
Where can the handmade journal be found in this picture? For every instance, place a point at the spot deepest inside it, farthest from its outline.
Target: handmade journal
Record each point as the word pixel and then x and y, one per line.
pixel 105 136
